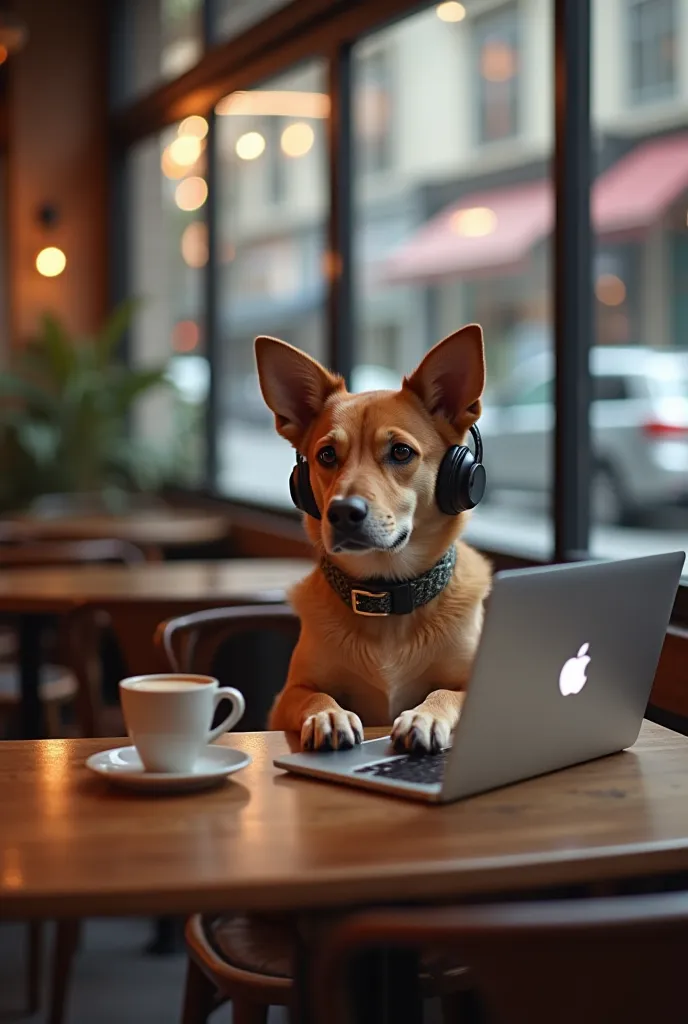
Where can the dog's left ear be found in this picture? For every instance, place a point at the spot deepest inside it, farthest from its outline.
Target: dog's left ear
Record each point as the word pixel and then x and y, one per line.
pixel 451 378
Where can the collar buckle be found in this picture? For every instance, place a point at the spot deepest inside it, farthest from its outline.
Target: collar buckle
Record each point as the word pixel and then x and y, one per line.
pixel 358 595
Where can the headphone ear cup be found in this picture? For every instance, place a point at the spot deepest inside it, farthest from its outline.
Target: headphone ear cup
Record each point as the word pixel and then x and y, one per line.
pixel 460 481
pixel 301 490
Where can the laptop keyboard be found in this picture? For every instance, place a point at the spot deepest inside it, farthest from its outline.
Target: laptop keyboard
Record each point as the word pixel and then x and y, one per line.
pixel 423 771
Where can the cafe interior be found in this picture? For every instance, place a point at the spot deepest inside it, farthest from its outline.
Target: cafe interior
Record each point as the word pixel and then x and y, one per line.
pixel 359 179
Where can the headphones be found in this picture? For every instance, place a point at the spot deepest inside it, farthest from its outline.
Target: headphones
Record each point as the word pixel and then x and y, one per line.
pixel 460 480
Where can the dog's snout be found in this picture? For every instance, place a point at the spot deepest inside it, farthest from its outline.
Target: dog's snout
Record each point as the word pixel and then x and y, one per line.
pixel 347 513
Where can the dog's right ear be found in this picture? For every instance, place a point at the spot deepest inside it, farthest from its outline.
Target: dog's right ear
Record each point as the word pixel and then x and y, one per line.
pixel 294 386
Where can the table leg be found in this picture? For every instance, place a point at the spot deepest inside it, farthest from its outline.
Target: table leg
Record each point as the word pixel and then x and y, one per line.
pixel 30 637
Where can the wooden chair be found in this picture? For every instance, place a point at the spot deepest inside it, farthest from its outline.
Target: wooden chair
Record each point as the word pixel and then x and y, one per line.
pixel 619 960
pixel 232 956
pixel 63 685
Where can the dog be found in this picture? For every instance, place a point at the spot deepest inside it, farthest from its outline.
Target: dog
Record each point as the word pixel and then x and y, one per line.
pixel 372 461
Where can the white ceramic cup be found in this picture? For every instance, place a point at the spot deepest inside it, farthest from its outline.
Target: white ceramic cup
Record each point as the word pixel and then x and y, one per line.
pixel 168 717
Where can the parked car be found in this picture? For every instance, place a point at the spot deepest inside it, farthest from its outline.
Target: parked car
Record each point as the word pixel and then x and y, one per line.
pixel 639 424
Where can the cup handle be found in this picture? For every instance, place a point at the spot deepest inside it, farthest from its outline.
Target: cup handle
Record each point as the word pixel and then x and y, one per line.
pixel 230 694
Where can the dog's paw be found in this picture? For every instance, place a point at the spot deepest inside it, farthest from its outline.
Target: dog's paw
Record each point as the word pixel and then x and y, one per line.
pixel 331 730
pixel 420 733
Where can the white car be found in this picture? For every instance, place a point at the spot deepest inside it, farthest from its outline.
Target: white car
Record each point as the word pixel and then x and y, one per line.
pixel 639 424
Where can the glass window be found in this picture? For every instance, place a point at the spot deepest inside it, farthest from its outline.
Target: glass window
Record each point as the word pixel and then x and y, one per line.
pixel 438 242
pixel 496 47
pixel 168 250
pixel 233 17
pixel 652 57
pixel 374 92
pixel 272 213
pixel 640 198
pixel 159 40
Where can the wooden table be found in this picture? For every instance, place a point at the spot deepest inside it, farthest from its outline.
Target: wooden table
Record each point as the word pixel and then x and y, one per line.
pixel 72 846
pixel 151 529
pixel 137 598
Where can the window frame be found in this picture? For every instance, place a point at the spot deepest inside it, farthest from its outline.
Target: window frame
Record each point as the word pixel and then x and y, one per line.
pixel 327 30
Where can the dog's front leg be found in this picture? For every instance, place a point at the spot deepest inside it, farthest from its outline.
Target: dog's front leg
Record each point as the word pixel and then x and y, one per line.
pixel 323 725
pixel 428 727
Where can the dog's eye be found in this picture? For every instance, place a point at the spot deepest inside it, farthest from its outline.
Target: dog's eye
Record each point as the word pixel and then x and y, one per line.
pixel 327 456
pixel 402 453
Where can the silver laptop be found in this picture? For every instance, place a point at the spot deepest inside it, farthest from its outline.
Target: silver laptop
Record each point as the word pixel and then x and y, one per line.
pixel 563 674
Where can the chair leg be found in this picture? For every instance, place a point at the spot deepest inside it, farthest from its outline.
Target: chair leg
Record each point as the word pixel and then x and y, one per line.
pixel 245 1012
pixel 34 967
pixel 66 942
pixel 199 995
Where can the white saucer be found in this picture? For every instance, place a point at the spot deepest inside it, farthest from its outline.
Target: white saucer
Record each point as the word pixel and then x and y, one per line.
pixel 123 767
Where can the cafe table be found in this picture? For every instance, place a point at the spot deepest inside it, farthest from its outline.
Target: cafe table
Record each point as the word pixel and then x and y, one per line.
pixel 72 846
pixel 153 529
pixel 136 597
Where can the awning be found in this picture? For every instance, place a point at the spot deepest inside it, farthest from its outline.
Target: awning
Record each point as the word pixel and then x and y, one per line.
pixel 634 193
pixel 486 231
pixel 493 231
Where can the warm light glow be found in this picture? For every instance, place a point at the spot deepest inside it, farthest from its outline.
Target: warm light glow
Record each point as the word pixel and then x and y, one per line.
pixel 450 11
pixel 497 61
pixel 195 244
pixel 185 150
pixel 250 146
pixel 610 290
pixel 474 222
pixel 186 335
pixel 297 139
pixel 170 168
pixel 4 53
pixel 191 193
pixel 194 125
pixel 51 262
pixel 267 103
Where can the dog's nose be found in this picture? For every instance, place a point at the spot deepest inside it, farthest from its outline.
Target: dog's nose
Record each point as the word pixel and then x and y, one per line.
pixel 347 513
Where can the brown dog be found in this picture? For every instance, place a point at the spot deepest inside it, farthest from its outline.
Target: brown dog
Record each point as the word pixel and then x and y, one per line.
pixel 373 461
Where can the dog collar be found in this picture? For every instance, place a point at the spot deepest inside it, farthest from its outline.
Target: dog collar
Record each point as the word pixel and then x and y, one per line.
pixel 390 597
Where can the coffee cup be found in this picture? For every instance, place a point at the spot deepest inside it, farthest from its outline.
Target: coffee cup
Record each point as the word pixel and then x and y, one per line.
pixel 169 717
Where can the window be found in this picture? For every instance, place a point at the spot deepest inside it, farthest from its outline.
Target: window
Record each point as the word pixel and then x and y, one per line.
pixel 373 109
pixel 272 210
pixel 653 58
pixel 639 430
pixel 429 246
pixel 449 222
pixel 496 47
pixel 158 40
pixel 235 16
pixel 168 250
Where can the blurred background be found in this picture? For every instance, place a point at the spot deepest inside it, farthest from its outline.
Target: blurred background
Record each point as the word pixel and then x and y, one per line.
pixel 213 162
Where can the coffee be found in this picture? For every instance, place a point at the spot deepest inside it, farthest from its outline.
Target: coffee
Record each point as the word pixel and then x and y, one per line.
pixel 166 685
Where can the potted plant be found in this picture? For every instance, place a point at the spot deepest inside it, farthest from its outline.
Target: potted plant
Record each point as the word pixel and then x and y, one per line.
pixel 64 409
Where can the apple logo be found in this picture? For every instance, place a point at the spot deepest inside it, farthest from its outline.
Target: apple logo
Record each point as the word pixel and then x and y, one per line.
pixel 572 677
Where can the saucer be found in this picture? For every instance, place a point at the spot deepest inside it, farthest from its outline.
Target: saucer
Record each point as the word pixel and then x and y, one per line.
pixel 123 767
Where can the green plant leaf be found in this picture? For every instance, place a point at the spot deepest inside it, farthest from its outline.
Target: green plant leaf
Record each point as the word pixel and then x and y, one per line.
pixel 128 385
pixel 114 329
pixel 12 385
pixel 57 349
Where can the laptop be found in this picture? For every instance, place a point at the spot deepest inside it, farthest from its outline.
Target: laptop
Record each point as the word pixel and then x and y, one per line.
pixel 562 675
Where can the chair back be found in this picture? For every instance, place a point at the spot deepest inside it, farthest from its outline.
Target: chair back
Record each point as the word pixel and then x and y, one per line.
pixel 599 961
pixel 230 643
